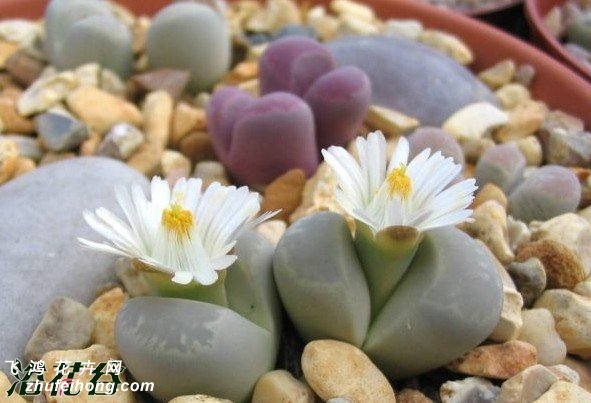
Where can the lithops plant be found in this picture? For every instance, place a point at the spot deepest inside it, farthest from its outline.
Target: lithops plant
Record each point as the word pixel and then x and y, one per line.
pixel 211 325
pixel 406 277
pixel 84 31
pixel 306 104
pixel 191 36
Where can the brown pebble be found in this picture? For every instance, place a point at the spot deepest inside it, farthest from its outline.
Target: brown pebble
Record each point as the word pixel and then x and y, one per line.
pixel 197 147
pixel 91 144
pixel 243 71
pixel 8 160
pixel 490 192
pixel 6 50
pixel 24 68
pixel 104 311
pixel 24 166
pixel 51 157
pixel 170 80
pixel 563 268
pixel 496 361
pixel 285 194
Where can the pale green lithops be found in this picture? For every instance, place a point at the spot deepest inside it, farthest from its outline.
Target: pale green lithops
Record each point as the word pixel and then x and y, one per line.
pixel 212 324
pixel 410 289
pixel 191 36
pixel 85 31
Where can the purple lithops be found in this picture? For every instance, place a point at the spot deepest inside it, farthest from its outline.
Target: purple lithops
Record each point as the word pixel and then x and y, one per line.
pixel 260 139
pixel 307 104
pixel 549 191
pixel 339 100
pixel 502 165
pixel 292 64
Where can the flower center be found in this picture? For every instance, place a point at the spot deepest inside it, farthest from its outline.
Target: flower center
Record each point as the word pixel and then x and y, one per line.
pixel 177 220
pixel 398 182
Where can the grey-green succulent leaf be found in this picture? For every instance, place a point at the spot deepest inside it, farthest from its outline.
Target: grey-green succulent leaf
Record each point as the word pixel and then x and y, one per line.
pixel 448 302
pixel 320 279
pixel 102 39
pixel 86 31
pixel 250 286
pixel 190 36
pixel 187 347
pixel 385 257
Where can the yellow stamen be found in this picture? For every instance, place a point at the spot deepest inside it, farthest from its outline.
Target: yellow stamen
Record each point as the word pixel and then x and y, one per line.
pixel 177 220
pixel 398 182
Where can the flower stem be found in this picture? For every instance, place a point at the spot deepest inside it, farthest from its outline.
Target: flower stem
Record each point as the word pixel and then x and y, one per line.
pixel 385 257
pixel 161 285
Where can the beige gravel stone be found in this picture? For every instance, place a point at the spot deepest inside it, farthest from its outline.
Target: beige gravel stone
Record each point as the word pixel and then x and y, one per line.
pixel 101 110
pixel 357 9
pixel 512 94
pixel 273 230
pixel 46 92
pixel 528 385
pixel 132 278
pixel 490 226
pixel 524 120
pixel 572 314
pixel 353 25
pixel 104 310
pixel 326 26
pixel 408 28
pixel 539 330
pixel 389 121
pixel 490 191
pixel 474 121
pixel 95 353
pixel 157 117
pixel 571 230
pixel 197 147
pixel 185 119
pixel 447 43
pixel 336 369
pixel 474 148
pixel 519 233
pixel 583 288
pixel 583 369
pixel 173 160
pixel 496 361
pixel 565 373
pixel 499 74
pixel 510 322
pixel 563 268
pixel 5 385
pixel 562 391
pixel 281 386
pixel 531 148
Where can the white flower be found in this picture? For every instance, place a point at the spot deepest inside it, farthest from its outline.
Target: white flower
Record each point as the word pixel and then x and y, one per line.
pixel 415 193
pixel 184 232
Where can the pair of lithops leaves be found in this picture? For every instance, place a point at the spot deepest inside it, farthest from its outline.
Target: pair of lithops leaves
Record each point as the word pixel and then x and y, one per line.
pixel 192 36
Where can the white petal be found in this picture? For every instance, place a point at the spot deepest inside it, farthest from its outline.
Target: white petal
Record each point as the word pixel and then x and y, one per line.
pixel 400 155
pixel 182 277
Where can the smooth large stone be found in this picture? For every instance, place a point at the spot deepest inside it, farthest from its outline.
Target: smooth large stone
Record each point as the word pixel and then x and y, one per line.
pixel 187 347
pixel 411 77
pixel 40 259
pixel 448 302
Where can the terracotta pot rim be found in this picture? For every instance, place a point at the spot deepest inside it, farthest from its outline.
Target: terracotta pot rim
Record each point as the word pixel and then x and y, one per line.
pixel 536 11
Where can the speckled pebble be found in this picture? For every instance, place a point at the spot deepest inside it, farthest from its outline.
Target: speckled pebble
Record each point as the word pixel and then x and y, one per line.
pixel 563 268
pixel 336 369
pixel 66 325
pixel 563 391
pixel 496 361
